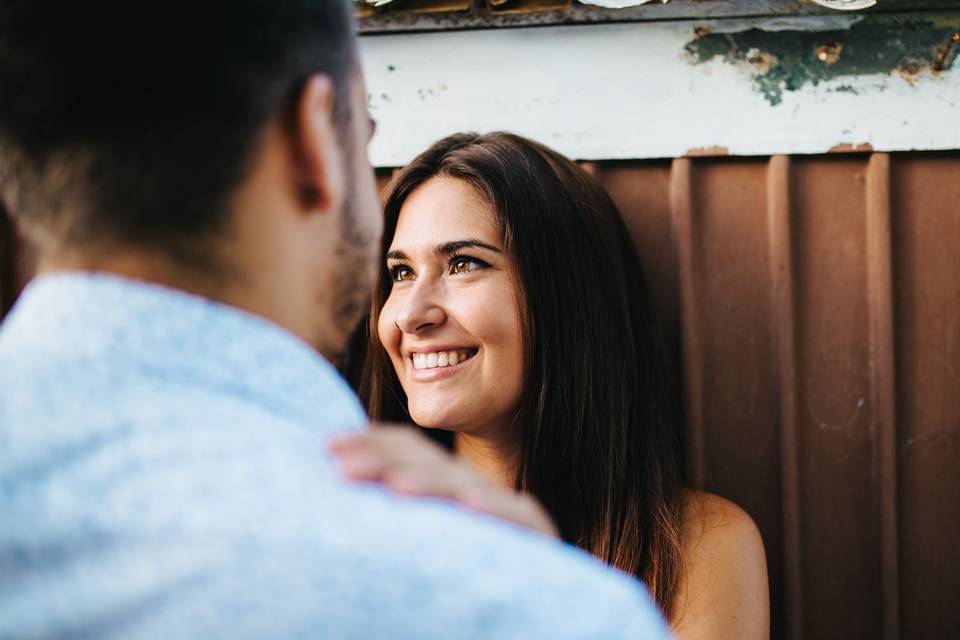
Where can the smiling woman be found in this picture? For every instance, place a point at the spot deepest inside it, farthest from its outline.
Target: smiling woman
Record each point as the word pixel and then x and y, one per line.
pixel 451 323
pixel 511 322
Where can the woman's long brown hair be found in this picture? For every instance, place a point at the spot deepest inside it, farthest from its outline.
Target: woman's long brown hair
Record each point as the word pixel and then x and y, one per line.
pixel 598 413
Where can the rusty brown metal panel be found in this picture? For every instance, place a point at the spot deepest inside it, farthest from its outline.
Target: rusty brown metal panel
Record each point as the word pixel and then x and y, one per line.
pixel 839 528
pixel 700 229
pixel 926 227
pixel 731 283
pixel 741 429
pixel 882 400
pixel 784 370
pixel 688 294
pixel 831 286
pixel 641 191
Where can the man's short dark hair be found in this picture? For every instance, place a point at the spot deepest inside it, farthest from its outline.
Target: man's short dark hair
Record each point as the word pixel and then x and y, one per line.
pixel 135 121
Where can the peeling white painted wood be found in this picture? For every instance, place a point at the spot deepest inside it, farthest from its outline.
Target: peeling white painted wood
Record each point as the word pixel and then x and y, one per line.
pixel 846 5
pixel 628 91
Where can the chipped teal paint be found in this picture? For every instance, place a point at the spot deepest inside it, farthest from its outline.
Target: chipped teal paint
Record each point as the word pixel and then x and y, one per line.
pixel 787 60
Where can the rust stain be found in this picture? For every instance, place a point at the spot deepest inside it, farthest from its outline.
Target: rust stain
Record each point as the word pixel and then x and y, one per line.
pixel 702 31
pixel 762 61
pixel 846 147
pixel 707 152
pixel 829 52
pixel 909 72
pixel 941 53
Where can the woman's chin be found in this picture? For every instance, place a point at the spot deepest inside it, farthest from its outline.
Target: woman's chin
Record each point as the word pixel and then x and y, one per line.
pixel 434 419
pixel 433 423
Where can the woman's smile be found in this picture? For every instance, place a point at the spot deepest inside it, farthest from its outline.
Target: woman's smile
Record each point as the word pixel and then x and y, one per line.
pixel 430 365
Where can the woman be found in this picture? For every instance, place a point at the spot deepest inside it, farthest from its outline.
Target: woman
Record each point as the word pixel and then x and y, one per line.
pixel 511 320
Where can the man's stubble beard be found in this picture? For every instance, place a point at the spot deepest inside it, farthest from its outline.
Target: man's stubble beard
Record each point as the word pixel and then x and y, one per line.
pixel 354 275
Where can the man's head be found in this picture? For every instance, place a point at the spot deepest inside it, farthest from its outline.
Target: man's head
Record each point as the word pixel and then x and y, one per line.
pixel 215 146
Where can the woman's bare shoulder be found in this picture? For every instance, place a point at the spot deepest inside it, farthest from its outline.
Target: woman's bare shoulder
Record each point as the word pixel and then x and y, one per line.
pixel 723 592
pixel 708 518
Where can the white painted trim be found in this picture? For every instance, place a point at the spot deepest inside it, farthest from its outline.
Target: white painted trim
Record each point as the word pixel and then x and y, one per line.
pixel 622 91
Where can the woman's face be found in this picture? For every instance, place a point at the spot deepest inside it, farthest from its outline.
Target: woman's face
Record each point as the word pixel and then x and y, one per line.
pixel 451 324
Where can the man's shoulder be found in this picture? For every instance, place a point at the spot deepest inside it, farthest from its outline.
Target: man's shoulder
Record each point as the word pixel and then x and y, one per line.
pixel 233 532
pixel 226 517
pixel 432 570
pixel 247 513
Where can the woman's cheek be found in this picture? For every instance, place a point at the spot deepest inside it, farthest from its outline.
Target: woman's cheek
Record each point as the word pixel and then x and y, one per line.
pixel 501 332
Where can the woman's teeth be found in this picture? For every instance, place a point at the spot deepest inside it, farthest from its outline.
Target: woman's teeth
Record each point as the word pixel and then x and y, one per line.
pixel 441 358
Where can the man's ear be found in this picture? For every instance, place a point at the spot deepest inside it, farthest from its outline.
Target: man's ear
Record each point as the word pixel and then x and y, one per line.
pixel 316 144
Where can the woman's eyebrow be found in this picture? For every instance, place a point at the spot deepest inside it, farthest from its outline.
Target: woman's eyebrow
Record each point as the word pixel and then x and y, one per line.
pixel 448 248
pixel 453 247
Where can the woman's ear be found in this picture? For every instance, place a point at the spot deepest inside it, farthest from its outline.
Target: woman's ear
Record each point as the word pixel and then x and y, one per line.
pixel 318 156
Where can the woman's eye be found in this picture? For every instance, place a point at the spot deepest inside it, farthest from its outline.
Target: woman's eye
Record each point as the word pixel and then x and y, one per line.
pixel 463 265
pixel 401 273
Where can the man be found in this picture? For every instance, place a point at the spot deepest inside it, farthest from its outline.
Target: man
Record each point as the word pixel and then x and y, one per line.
pixel 195 181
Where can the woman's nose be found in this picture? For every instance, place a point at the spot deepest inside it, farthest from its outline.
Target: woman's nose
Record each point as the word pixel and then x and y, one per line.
pixel 421 310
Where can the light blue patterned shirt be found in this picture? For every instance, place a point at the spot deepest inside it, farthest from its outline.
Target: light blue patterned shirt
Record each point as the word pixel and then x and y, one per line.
pixel 164 474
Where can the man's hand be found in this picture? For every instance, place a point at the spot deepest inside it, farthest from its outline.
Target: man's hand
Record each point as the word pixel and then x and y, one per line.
pixel 408 463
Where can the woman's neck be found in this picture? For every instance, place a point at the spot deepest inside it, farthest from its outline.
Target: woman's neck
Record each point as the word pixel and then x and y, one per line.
pixel 494 457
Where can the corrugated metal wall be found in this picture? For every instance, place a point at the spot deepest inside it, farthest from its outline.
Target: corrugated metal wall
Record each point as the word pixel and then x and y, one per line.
pixel 814 303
